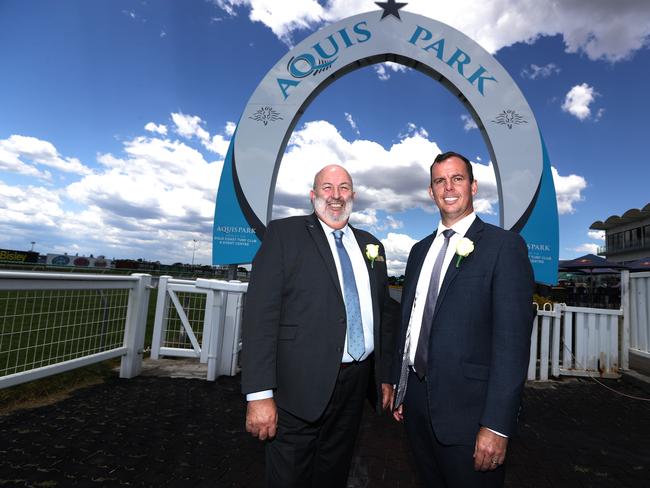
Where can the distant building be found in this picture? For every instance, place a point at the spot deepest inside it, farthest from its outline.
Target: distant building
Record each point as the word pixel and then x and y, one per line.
pixel 627 237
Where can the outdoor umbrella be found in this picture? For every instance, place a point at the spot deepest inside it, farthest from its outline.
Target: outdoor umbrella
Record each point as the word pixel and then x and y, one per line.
pixel 639 265
pixel 590 264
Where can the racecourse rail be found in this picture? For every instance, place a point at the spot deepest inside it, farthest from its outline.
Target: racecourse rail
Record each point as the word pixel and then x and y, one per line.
pixel 50 323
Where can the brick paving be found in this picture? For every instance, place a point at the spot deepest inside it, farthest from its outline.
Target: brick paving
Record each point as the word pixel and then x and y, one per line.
pixel 177 432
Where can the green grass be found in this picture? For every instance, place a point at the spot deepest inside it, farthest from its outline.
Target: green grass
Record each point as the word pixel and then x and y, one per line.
pixel 31 322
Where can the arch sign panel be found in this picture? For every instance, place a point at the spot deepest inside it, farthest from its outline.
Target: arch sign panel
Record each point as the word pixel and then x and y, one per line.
pixel 526 193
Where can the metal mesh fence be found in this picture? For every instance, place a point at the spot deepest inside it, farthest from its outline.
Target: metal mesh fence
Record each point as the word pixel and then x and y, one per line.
pixel 174 334
pixel 44 327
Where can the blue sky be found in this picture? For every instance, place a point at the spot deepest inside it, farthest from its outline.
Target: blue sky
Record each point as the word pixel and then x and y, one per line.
pixel 115 117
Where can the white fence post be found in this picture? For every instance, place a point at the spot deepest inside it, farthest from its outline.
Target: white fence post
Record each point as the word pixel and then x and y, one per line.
pixel 625 306
pixel 136 323
pixel 221 354
pixel 532 360
pixel 231 341
pixel 162 304
pixel 567 358
pixel 555 347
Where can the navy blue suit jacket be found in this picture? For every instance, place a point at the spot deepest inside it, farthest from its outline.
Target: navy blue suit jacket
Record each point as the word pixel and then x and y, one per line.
pixel 480 338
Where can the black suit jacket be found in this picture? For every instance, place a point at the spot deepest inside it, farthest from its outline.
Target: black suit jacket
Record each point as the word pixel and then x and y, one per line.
pixel 480 338
pixel 294 322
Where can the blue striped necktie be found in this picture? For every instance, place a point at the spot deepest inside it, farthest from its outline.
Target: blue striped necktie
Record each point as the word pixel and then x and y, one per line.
pixel 356 346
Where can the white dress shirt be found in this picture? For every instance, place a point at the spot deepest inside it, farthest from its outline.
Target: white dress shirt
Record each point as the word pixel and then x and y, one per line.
pixel 363 285
pixel 460 228
pixel 363 288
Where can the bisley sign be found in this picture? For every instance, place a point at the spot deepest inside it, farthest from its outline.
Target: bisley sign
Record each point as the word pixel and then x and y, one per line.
pixel 527 201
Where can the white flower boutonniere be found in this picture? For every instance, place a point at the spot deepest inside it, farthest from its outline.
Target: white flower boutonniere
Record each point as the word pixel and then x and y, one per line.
pixel 463 249
pixel 372 253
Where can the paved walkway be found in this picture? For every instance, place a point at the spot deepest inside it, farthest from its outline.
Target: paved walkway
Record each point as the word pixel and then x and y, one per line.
pixel 182 432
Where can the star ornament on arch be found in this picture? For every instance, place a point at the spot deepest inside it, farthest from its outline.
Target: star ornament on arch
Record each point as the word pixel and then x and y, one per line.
pixel 390 7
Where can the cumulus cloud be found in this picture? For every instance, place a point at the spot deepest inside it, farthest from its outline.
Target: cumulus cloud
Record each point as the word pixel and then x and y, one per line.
pixel 533 71
pixel 158 129
pixel 189 126
pixel 468 123
pixel 24 154
pixel 398 247
pixel 597 235
pixel 281 17
pixel 150 200
pixel 578 100
pixel 388 181
pixel 586 248
pixel 383 69
pixel 568 190
pixel 612 31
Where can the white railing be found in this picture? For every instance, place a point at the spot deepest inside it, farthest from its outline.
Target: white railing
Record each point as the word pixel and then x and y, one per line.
pixel 200 319
pixel 51 323
pixel 587 340
pixel 637 309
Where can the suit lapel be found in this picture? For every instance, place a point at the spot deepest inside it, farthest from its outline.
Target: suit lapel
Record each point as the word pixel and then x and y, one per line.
pixel 474 234
pixel 317 233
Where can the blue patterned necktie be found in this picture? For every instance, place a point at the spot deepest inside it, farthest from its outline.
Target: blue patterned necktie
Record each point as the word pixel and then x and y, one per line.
pixel 356 346
pixel 422 352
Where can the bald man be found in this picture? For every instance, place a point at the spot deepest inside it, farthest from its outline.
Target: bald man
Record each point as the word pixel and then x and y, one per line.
pixel 318 329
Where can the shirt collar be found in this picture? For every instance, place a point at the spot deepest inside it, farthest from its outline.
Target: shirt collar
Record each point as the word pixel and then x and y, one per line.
pixel 461 227
pixel 328 230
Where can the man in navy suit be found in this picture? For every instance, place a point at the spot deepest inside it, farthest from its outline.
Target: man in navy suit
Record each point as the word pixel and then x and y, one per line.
pixel 316 283
pixel 464 343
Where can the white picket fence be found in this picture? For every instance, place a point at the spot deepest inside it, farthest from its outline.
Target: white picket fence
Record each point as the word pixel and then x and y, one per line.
pixel 636 305
pixel 200 319
pixel 51 323
pixel 57 322
pixel 576 341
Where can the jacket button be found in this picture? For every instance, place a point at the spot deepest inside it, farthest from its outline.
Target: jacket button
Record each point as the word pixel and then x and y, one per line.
pixel 342 320
pixel 339 349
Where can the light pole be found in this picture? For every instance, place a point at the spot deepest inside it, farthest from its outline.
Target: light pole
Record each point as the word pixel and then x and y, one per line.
pixel 194 241
pixel 32 249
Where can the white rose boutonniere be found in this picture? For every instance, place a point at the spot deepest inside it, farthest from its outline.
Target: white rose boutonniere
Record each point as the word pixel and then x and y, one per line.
pixel 372 253
pixel 463 249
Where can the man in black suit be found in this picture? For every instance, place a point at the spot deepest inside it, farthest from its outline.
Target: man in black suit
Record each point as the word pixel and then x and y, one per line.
pixel 464 343
pixel 316 324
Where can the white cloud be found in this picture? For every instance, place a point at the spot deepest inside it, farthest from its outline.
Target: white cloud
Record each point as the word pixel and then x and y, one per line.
pixel 387 181
pixel 568 190
pixel 469 122
pixel 149 201
pixel 23 155
pixel 398 247
pixel 352 123
pixel 230 128
pixel 281 17
pixel 189 126
pixel 586 248
pixel 533 72
pixel 606 30
pixel 383 69
pixel 597 235
pixel 159 129
pixel 578 99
